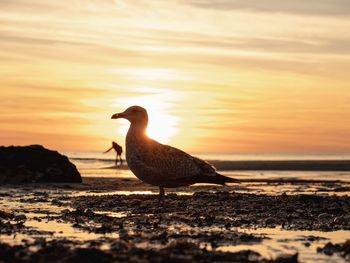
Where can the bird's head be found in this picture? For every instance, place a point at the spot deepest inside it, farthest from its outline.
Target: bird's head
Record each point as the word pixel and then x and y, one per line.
pixel 134 114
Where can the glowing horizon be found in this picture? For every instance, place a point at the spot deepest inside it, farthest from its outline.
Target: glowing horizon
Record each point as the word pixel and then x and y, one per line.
pixel 216 76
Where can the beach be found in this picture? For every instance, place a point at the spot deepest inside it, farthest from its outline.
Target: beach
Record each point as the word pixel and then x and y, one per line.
pixel 269 217
pixel 107 105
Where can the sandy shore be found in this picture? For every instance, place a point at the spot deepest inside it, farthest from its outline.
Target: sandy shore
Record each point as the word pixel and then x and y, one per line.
pixel 120 220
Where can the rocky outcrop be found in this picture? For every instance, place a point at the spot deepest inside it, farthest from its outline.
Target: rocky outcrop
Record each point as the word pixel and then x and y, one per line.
pixel 35 164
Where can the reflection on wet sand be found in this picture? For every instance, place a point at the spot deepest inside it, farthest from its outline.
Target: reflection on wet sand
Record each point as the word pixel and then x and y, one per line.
pixel 281 241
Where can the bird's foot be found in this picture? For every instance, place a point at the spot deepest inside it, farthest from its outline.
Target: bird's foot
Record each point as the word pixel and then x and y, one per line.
pixel 161 200
pixel 161 196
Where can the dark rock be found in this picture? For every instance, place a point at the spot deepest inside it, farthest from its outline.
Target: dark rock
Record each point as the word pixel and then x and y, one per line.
pixel 287 259
pixel 342 249
pixel 270 221
pixel 35 164
pixel 21 217
pixel 6 215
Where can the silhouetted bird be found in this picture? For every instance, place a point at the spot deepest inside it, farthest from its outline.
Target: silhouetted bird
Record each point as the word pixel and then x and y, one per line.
pixel 162 165
pixel 119 150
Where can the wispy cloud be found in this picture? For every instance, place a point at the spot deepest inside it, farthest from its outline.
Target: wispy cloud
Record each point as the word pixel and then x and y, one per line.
pixel 311 7
pixel 267 69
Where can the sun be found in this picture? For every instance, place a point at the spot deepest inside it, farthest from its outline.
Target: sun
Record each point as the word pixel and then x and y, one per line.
pixel 162 125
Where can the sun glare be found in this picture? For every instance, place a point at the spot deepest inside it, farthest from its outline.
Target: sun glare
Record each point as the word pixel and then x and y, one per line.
pixel 162 124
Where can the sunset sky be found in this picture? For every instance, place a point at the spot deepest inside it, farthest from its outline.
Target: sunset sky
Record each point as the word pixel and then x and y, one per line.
pixel 215 76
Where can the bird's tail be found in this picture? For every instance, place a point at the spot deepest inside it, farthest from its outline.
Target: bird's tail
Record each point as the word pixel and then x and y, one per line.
pixel 218 179
pixel 224 179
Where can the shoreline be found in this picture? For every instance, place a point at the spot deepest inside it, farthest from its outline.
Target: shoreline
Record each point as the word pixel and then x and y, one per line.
pixel 285 165
pixel 261 165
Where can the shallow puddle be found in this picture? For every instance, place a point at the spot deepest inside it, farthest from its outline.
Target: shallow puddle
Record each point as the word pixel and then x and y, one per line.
pixel 280 241
pixel 111 214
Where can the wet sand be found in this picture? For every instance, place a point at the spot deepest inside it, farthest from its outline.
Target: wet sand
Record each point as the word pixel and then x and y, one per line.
pixel 111 219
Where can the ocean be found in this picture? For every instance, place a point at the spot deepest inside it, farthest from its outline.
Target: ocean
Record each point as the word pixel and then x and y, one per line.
pixel 98 164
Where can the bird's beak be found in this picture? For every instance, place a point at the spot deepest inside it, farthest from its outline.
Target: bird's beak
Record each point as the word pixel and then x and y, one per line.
pixel 118 115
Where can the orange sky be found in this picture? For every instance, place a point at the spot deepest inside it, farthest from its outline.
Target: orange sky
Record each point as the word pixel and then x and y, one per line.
pixel 216 76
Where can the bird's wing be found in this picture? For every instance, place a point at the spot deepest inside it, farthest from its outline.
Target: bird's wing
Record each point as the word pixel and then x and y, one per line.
pixel 205 167
pixel 173 163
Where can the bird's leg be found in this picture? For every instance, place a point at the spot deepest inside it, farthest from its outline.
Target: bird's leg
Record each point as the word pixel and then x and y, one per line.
pixel 161 195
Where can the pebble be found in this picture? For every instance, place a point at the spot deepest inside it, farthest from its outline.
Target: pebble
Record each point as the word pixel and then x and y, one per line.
pixel 324 217
pixel 270 221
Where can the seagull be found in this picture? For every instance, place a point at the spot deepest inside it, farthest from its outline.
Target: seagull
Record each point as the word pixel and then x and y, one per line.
pixel 163 165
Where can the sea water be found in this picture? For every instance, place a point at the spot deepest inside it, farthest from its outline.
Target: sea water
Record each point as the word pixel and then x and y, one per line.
pixel 98 164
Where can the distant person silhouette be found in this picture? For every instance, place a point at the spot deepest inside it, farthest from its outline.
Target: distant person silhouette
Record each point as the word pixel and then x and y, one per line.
pixel 119 151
